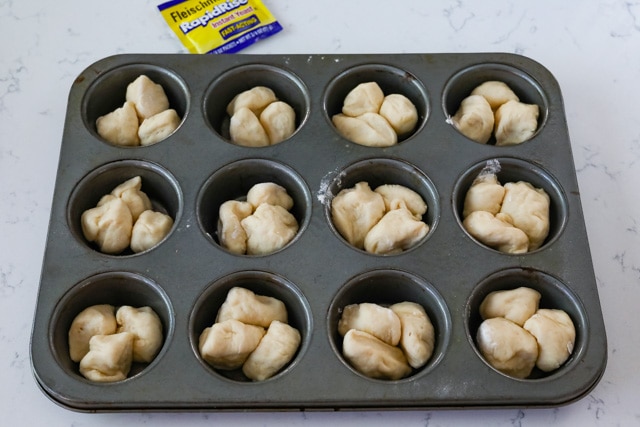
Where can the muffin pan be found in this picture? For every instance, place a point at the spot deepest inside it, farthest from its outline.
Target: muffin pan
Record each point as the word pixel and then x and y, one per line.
pixel 185 278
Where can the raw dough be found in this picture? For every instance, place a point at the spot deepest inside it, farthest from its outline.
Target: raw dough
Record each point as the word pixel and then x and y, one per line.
pixel 507 347
pixel 373 357
pixel 418 336
pixel 374 319
pixel 276 349
pixel 245 306
pixel 145 326
pixel 354 211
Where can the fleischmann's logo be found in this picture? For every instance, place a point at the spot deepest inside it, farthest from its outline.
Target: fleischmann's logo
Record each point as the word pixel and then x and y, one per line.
pixel 207 9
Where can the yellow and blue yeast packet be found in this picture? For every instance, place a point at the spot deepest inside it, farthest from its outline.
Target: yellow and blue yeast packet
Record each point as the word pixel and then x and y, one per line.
pixel 219 26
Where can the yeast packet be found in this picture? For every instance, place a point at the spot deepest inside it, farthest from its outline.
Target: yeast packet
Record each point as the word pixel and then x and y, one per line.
pixel 219 26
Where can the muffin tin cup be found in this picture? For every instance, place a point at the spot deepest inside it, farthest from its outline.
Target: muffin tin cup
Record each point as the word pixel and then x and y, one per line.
pixel 554 295
pixel 186 277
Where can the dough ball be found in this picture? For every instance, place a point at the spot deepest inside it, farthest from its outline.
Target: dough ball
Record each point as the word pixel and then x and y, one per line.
pixel 158 127
pixel 374 319
pixel 95 320
pixel 364 98
pixel 269 229
pixel 109 225
pixel 145 326
pixel 507 347
pixel 354 211
pixel 279 121
pixel 109 357
pixel 400 113
pixel 418 337
pixel 396 231
pixel 271 193
pixel 148 97
pixel 528 208
pixel 276 349
pixel 149 230
pixel 246 130
pixel 474 119
pixel 485 194
pixel 232 235
pixel 556 336
pixel 369 129
pixel 496 93
pixel 516 305
pixel 255 99
pixel 515 122
pixel 120 127
pixel 245 306
pixel 497 232
pixel 396 196
pixel 226 345
pixel 373 357
pixel 131 193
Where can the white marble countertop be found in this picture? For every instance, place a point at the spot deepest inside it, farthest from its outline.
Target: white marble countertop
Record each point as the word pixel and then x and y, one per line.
pixel 591 47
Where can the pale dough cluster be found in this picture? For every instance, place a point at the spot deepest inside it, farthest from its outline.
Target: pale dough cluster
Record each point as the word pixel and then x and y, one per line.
pixel 250 332
pixel 259 119
pixel 516 336
pixel 106 341
pixel 385 221
pixel 144 119
pixel 493 108
pixel 370 118
pixel 125 218
pixel 260 225
pixel 386 343
pixel 513 218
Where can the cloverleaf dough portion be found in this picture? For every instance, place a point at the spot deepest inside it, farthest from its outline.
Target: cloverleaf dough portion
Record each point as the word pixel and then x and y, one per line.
pixel 109 358
pixel 269 229
pixel 418 336
pixel 275 350
pixel 474 119
pixel 232 235
pixel 279 121
pixel 255 99
pixel 556 335
pixel 354 211
pixel 247 307
pixel 485 194
pixel 158 127
pixel 270 193
pixel 373 357
pixel 369 129
pixel 246 130
pixel 149 230
pixel 364 98
pixel 516 305
pixel 109 225
pixel 400 112
pixel 397 196
pixel 497 232
pixel 381 322
pixel 507 347
pixel 396 231
pixel 227 344
pixel 131 193
pixel 120 126
pixel 528 207
pixel 515 122
pixel 148 97
pixel 95 320
pixel 496 93
pixel 146 327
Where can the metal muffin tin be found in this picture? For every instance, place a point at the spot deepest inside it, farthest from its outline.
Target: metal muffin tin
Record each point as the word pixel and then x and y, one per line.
pixel 186 277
